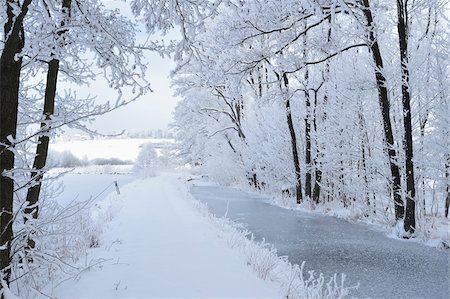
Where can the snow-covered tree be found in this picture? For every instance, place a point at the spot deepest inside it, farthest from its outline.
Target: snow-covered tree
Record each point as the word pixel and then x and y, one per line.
pixel 360 119
pixel 61 41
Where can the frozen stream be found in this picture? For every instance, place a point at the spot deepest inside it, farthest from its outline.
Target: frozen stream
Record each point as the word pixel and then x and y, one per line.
pixel 384 267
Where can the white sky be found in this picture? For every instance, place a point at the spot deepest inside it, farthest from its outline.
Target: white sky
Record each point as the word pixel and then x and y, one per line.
pixel 151 111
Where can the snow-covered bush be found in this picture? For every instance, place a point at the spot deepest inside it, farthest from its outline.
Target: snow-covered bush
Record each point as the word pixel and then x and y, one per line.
pixel 61 235
pixel 222 165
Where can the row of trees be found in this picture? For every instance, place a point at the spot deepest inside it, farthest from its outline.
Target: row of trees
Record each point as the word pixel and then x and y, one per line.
pixel 325 100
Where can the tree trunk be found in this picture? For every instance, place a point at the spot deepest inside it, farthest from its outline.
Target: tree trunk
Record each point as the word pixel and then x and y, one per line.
pixel 43 143
pixel 40 159
pixel 298 179
pixel 10 67
pixel 410 211
pixel 422 172
pixel 316 192
pixel 307 133
pixel 447 176
pixel 317 165
pixel 383 97
pixel 447 202
pixel 308 147
pixel 364 141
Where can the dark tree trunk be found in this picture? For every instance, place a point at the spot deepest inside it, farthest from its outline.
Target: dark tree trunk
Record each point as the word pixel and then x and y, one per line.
pixel 308 179
pixel 447 202
pixel 308 176
pixel 383 97
pixel 317 165
pixel 10 67
pixel 341 194
pixel 447 176
pixel 298 179
pixel 316 192
pixel 40 159
pixel 43 143
pixel 410 210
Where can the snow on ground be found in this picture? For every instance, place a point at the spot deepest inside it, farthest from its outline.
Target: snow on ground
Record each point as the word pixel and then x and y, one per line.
pixel 85 183
pixel 158 245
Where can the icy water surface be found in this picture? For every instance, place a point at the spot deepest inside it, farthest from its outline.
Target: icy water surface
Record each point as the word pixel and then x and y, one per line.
pixel 384 267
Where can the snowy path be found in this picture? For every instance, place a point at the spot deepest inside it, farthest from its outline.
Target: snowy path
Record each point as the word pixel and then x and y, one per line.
pixel 159 246
pixel 384 267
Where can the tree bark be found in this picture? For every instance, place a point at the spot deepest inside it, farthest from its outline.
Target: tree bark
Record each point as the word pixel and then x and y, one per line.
pixel 298 179
pixel 423 122
pixel 447 176
pixel 308 178
pixel 316 191
pixel 40 159
pixel 10 66
pixel 383 97
pixel 364 141
pixel 317 165
pixel 410 210
pixel 43 143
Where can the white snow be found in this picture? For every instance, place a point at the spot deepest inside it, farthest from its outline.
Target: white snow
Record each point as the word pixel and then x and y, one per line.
pixel 123 148
pixel 158 245
pixel 85 183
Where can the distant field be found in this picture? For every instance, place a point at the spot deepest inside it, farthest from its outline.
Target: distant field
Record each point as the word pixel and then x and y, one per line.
pixel 123 148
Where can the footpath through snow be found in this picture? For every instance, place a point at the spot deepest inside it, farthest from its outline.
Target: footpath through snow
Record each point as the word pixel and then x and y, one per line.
pixel 158 245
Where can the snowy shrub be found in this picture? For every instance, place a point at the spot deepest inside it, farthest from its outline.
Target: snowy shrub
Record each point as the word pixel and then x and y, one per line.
pixel 62 235
pixel 225 167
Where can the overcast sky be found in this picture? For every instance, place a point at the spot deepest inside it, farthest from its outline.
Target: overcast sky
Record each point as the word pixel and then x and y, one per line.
pixel 151 111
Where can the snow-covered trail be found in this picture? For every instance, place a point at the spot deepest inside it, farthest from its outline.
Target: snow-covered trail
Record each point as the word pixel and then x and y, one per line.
pixel 158 245
pixel 384 267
